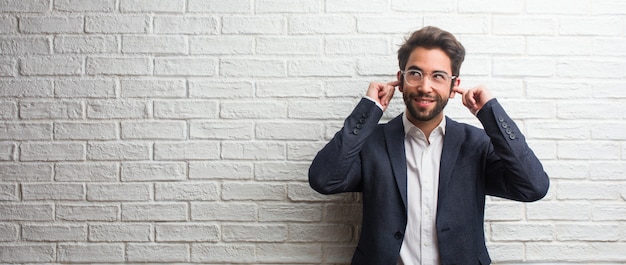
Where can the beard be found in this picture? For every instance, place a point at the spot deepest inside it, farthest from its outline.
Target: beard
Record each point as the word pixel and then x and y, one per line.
pixel 422 114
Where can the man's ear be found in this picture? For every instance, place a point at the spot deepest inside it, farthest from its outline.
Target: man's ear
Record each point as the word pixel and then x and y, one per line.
pixel 401 86
pixel 455 83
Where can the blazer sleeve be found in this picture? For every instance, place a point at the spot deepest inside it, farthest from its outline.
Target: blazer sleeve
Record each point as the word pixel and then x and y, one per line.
pixel 337 167
pixel 512 169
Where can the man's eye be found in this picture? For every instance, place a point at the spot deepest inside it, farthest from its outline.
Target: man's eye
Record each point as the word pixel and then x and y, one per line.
pixel 439 76
pixel 415 73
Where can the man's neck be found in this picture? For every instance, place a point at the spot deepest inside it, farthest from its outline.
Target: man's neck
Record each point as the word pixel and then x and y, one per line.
pixel 427 126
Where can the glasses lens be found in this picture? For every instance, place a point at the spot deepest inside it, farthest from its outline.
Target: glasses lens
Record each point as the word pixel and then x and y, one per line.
pixel 415 77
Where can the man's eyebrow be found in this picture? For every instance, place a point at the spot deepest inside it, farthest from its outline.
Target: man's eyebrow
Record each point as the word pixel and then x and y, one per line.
pixel 414 67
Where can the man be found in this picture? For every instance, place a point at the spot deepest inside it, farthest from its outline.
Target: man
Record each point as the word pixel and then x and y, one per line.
pixel 423 176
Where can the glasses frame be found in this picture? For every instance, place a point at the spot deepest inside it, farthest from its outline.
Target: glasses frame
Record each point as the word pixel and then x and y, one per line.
pixel 429 74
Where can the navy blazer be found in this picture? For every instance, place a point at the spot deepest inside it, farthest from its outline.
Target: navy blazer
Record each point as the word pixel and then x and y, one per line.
pixel 368 157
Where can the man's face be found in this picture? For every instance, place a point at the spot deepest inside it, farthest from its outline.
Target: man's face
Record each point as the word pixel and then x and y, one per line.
pixel 426 100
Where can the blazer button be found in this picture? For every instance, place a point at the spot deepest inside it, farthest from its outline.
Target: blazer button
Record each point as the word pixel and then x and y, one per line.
pixel 364 115
pixel 512 136
pixel 362 120
pixel 398 235
pixel 355 131
pixel 359 126
pixel 505 125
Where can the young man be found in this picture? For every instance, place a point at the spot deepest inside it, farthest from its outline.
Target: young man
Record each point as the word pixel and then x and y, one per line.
pixel 423 176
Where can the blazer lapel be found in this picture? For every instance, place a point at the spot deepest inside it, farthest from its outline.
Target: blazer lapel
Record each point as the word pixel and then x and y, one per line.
pixel 451 145
pixel 394 138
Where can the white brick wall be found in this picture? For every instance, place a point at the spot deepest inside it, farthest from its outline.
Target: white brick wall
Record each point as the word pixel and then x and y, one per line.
pixel 181 131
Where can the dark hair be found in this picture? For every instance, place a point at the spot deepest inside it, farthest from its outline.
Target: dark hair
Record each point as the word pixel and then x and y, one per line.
pixel 430 38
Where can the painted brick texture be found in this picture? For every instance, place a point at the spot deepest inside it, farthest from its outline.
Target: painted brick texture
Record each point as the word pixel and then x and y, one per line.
pixel 181 131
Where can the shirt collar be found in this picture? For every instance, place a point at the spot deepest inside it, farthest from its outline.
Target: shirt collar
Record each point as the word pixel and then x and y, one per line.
pixel 408 126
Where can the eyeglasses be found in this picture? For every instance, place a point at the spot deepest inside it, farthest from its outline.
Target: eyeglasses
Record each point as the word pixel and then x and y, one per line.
pixel 438 78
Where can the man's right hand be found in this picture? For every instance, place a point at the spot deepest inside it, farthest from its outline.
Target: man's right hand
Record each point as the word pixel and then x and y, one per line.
pixel 382 92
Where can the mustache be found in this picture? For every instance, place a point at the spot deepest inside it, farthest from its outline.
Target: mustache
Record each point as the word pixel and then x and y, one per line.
pixel 424 96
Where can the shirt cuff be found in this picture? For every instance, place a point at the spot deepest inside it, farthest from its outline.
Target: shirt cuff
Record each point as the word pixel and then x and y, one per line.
pixel 377 104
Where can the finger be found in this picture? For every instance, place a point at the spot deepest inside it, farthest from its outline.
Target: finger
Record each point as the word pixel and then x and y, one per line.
pixel 394 83
pixel 459 90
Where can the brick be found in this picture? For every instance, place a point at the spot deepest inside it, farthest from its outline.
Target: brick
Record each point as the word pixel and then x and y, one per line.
pixel 185 109
pixel 375 66
pixel 151 171
pixel 235 45
pixel 88 172
pixel 84 88
pixel 23 252
pixel 118 66
pixel 7 152
pixel 321 24
pixel 559 211
pixel 8 66
pixel 190 150
pixel 281 170
pixel 254 233
pixel 112 24
pixel 81 44
pixel 158 88
pixel 557 89
pixel 607 170
pixel 87 212
pixel 85 5
pixel 124 232
pixel 589 110
pixel 53 192
pixel 166 130
pixel 289 131
pixel 587 232
pixel 521 232
pixel 575 252
pixel 302 151
pixel 33 6
pixel 573 69
pixel 187 233
pixel 608 212
pixel 290 46
pixel 286 6
pixel 253 110
pixel 9 232
pixel 217 6
pixel 288 253
pixel 185 66
pixel 50 110
pixel 143 6
pixel 51 24
pixel 578 7
pixel 465 24
pixel 8 192
pixel 290 213
pixel 54 233
pixel 253 191
pixel 252 68
pixel 321 67
pixel 155 212
pixel 253 151
pixel 52 151
pixel 25 131
pixel 157 253
pixel 154 44
pixel 93 252
pixel 119 192
pixel 608 47
pixel 85 131
pixel 220 211
pixel 504 211
pixel 288 89
pixel 604 7
pixel 8 24
pixel 356 46
pixel 24 45
pixel 117 109
pixel 357 6
pixel 37 88
pixel 320 233
pixel 26 212
pixel 59 66
pixel 253 25
pixel 396 24
pixel 26 172
pixel 534 67
pixel 502 252
pixel 215 130
pixel 588 150
pixel 220 170
pixel 189 191
pixel 523 25
pixel 609 26
pixel 506 45
pixel 445 6
pixel 194 25
pixel 220 253
pixel 493 6
pixel 343 213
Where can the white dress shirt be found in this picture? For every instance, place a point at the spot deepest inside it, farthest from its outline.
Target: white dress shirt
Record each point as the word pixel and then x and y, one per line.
pixel 423 157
